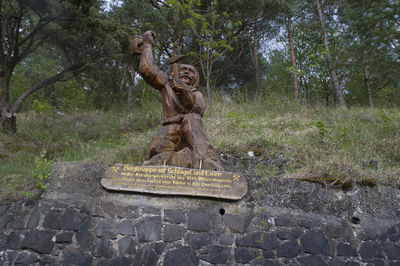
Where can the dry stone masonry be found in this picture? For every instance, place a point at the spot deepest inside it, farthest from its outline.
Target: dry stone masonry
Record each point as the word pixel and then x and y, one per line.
pixel 79 223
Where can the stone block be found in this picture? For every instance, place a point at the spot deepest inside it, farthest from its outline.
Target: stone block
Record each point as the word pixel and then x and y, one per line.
pixel 74 256
pixel 216 254
pixel 181 256
pixel 106 229
pixel 258 240
pixel 285 221
pixel 173 232
pixel 226 239
pixel 26 258
pixel 85 240
pixel 288 249
pixel 149 229
pixel 245 255
pixel 127 212
pixel 64 237
pixel 127 246
pixel 126 228
pixel 104 249
pixel 197 240
pixel 174 216
pixel 145 256
pixel 392 251
pixel 66 219
pixel 313 260
pixel 370 250
pixel 109 208
pixel 238 223
pixel 39 241
pixel 344 249
pixel 199 221
pixel 290 234
pixel 314 243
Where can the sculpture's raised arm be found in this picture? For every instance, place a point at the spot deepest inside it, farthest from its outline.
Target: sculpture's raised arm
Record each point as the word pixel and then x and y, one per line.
pixel 153 75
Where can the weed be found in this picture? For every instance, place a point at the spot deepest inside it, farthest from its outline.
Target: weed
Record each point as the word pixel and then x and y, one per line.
pixel 42 170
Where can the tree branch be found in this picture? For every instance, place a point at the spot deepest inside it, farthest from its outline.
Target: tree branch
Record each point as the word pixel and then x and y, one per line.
pixel 68 73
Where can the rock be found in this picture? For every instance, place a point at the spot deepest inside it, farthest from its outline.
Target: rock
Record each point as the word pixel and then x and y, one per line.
pixel 263 262
pixel 370 250
pixel 245 255
pixel 174 216
pixel 312 260
pixel 86 223
pixel 106 229
pixel 149 229
pixel 258 240
pixel 34 218
pixel 344 249
pixel 291 234
pixel 284 221
pixel 314 243
pixel 173 232
pixel 120 261
pixel 289 249
pixel 126 228
pixel 226 239
pixel 39 240
pixel 127 212
pixel 74 256
pixel 181 256
pixel 4 220
pixel 145 256
pixel 309 223
pixel 238 223
pixel 218 223
pixel 109 208
pixel 151 210
pixel 392 251
pixel 216 254
pixel 26 258
pixel 85 240
pixel 197 241
pixel 64 237
pixel 15 241
pixel 67 219
pixel 104 249
pixel 199 220
pixel 127 246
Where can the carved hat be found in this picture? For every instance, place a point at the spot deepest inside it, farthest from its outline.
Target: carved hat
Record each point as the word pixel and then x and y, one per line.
pixel 196 75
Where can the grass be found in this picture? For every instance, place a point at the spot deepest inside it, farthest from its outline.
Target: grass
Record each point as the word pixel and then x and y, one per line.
pixel 320 144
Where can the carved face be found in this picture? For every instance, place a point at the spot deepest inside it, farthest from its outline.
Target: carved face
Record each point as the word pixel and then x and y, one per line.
pixel 188 74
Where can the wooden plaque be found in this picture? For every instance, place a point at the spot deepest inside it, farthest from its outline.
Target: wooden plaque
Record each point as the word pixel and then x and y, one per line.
pixel 170 180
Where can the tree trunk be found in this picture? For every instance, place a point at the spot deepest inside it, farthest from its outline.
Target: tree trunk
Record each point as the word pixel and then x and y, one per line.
pixel 367 84
pixel 255 58
pixel 293 60
pixel 131 88
pixel 329 60
pixel 8 120
pixel 9 123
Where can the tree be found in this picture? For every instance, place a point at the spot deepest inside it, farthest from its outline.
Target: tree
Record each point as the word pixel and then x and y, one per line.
pixel 25 26
pixel 329 58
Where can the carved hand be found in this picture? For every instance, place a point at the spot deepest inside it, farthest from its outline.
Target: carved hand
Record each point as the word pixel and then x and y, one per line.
pixel 178 85
pixel 149 36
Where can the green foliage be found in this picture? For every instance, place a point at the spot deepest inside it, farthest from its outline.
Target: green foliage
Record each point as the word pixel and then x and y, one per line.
pixel 322 131
pixel 43 108
pixel 42 169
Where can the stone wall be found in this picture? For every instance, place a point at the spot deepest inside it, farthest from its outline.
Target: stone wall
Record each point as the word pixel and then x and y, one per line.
pixel 279 222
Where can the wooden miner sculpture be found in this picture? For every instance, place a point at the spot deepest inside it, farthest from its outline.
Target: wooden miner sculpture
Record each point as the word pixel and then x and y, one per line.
pixel 181 141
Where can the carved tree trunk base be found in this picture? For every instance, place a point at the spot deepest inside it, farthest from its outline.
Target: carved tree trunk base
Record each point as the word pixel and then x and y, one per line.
pixel 9 124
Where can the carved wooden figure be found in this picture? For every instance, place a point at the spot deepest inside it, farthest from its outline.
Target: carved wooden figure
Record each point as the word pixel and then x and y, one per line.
pixel 181 141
